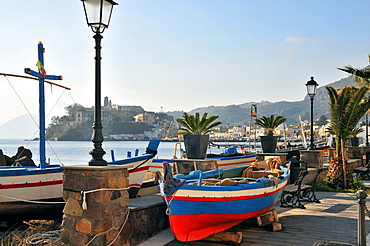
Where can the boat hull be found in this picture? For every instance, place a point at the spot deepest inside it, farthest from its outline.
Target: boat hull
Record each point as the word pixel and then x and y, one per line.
pixel 196 212
pixel 137 171
pixel 26 190
pixel 222 162
pixel 31 192
pixel 24 183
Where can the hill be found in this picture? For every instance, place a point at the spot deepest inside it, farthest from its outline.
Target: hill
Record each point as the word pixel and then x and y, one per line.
pixel 240 114
pixel 20 127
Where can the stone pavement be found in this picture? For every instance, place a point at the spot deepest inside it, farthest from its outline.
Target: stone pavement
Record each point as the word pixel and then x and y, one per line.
pixel 332 220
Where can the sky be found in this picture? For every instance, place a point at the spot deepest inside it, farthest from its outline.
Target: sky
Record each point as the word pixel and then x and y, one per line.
pixel 179 55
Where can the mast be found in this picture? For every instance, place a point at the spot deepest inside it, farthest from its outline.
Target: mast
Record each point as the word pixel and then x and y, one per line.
pixel 253 114
pixel 41 75
pixel 301 126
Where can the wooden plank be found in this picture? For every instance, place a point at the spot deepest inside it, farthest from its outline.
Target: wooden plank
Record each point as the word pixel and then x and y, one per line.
pixel 267 218
pixel 276 226
pixel 225 237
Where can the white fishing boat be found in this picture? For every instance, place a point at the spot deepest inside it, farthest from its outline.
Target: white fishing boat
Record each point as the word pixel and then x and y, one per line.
pixel 28 192
pixel 138 166
pixel 229 159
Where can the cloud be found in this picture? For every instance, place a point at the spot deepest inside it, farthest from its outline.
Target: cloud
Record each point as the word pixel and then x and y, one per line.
pixel 292 39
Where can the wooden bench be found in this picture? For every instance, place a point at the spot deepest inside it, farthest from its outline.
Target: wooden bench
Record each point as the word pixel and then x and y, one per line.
pixel 303 190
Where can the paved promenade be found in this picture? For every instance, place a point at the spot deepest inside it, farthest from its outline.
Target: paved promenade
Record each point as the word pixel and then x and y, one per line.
pixel 332 220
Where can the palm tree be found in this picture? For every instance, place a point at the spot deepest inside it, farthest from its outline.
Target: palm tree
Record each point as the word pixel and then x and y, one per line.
pixel 361 76
pixel 347 105
pixel 270 123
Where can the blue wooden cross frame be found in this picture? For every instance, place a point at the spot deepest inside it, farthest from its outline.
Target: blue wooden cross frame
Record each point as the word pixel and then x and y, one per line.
pixel 42 78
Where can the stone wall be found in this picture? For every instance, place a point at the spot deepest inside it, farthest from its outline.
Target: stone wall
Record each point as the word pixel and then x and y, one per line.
pixel 145 221
pixel 314 158
pixel 97 216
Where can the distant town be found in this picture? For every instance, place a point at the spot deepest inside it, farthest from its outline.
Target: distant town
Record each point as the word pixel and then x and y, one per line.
pixel 127 123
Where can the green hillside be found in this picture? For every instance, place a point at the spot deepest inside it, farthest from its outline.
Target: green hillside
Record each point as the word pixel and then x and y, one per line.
pixel 239 114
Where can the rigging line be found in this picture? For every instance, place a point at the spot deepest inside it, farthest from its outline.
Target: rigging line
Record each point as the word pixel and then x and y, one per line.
pixel 27 77
pixel 20 99
pixel 55 103
pixel 45 134
pixel 33 118
pixel 55 153
pixel 52 149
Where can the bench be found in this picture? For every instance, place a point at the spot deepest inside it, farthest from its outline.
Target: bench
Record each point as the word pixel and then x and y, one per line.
pixel 303 190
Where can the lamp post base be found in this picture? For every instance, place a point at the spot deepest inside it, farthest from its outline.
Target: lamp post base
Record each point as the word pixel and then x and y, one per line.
pixel 97 158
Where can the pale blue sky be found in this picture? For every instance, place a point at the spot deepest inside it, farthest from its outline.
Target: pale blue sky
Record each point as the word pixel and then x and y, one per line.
pixel 182 54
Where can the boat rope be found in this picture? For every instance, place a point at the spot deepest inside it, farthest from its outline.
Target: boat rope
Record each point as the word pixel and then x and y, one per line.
pixel 150 157
pixel 46 238
pixel 124 216
pixel 83 193
pixel 30 201
pixel 24 105
pixel 168 210
pixel 33 119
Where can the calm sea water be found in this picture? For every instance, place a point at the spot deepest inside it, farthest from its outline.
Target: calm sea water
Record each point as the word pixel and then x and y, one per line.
pixel 77 152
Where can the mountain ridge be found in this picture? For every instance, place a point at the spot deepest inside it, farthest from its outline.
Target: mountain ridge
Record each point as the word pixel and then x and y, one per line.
pixel 240 114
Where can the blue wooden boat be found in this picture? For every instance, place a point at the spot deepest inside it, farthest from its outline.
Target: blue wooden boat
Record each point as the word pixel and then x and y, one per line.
pixel 28 192
pixel 196 210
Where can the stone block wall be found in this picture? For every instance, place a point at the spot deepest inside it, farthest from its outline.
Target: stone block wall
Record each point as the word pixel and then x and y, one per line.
pixel 314 158
pixel 104 189
pixel 144 223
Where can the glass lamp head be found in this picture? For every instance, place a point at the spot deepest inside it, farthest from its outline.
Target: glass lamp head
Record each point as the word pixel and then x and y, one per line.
pixel 98 13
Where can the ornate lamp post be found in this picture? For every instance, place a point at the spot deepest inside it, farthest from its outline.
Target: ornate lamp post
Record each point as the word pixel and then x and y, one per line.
pixel 98 14
pixel 311 91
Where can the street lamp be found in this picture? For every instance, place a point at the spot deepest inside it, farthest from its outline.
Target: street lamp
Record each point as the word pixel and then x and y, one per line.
pixel 98 14
pixel 311 91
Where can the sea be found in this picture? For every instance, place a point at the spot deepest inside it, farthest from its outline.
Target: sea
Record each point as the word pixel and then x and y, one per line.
pixel 77 152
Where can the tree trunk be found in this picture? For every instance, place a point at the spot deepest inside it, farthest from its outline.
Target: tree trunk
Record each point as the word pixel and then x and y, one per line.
pixel 344 164
pixel 337 171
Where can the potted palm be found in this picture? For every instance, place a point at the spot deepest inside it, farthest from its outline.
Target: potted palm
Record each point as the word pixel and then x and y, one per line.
pixel 269 141
pixel 195 130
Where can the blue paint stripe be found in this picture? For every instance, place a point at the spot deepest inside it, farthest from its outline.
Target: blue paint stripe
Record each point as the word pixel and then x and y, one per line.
pixel 222 207
pixel 24 171
pixel 132 159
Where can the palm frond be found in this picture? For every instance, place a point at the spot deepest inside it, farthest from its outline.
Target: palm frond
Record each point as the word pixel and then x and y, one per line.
pixel 195 124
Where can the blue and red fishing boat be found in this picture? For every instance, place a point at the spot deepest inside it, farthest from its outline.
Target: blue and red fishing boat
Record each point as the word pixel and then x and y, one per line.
pixel 197 210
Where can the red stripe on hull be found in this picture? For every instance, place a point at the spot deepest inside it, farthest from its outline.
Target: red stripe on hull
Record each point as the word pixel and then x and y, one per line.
pixel 135 185
pixel 198 226
pixel 28 185
pixel 144 168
